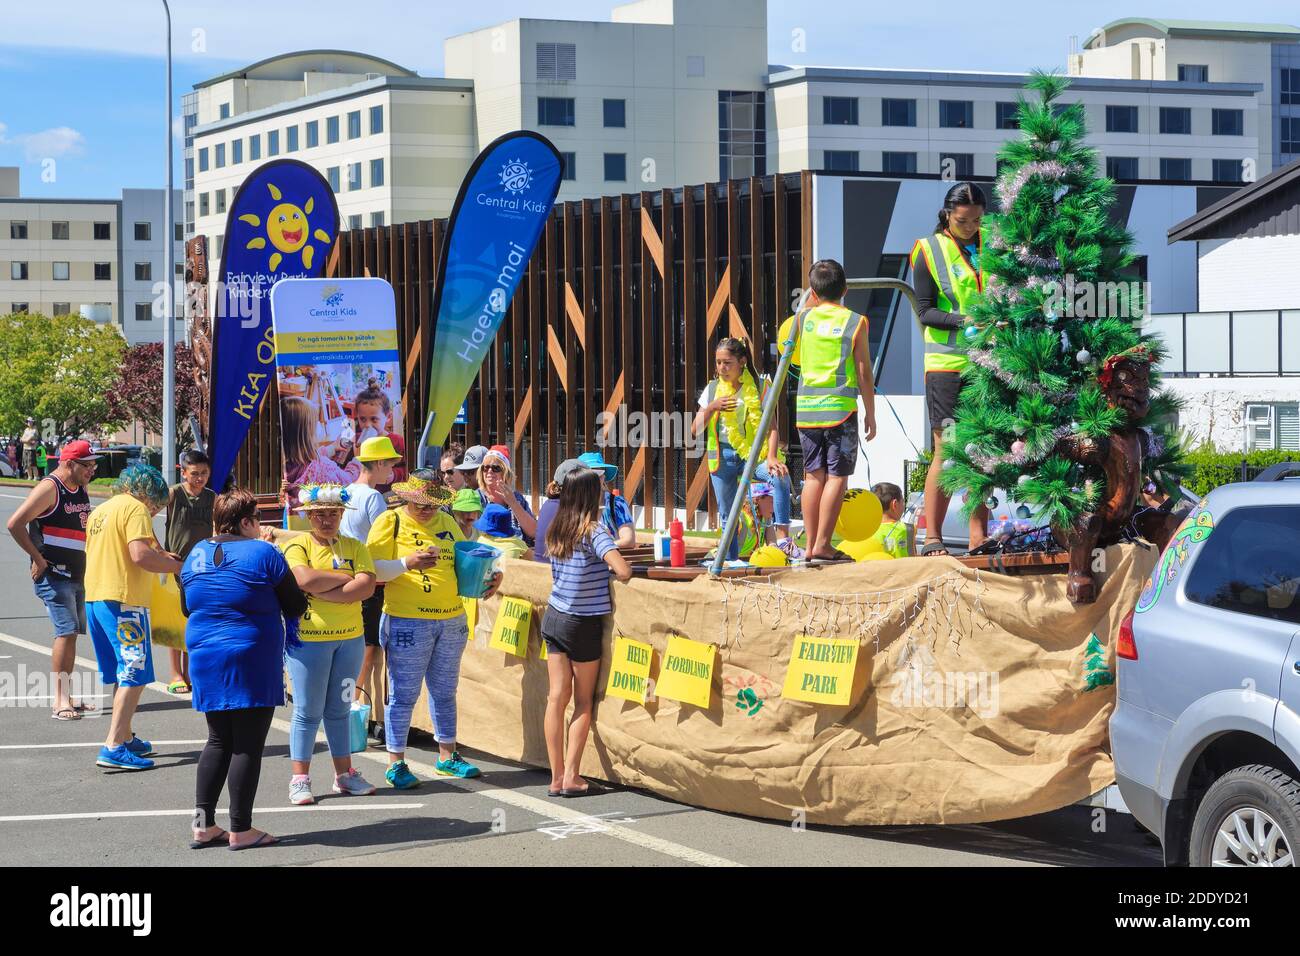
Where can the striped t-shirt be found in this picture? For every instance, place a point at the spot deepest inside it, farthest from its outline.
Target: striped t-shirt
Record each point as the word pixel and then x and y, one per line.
pixel 580 583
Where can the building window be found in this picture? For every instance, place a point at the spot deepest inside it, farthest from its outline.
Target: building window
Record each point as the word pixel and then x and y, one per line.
pixel 570 172
pixel 291 139
pixel 273 142
pixel 220 158
pixel 694 66
pixel 1121 119
pixel 1176 119
pixel 897 112
pixel 17 271
pixel 956 165
pixel 189 172
pixel 1227 170
pixel 354 222
pixel 1289 142
pixel 62 308
pixel 554 111
pixel 1272 426
pixel 354 124
pixel 742 134
pixel 354 176
pixel 1290 86
pixel 103 272
pixel 615 114
pixel 557 62
pixel 957 114
pixel 376 122
pixel 18 307
pixel 1193 73
pixel 180 269
pixel 255 147
pixel 376 219
pixel 103 231
pixel 18 229
pixel 332 174
pixel 331 129
pixel 144 272
pixel 1008 116
pixel 615 167
pixel 840 160
pixel 223 111
pixel 1121 167
pixel 891 162
pixel 58 230
pixel 180 232
pixel 221 200
pixel 839 111
pixel 143 312
pixel 61 270
pixel 203 204
pixel 220 244
pixel 203 159
pixel 1235 572
pixel 236 152
pixel 376 172
pixel 313 133
pixel 1176 170
pixel 1227 122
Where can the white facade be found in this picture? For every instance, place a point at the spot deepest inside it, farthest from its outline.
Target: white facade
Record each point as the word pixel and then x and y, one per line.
pixel 1244 273
pixel 143 266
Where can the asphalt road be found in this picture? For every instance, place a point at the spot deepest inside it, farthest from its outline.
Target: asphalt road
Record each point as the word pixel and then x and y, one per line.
pixel 58 808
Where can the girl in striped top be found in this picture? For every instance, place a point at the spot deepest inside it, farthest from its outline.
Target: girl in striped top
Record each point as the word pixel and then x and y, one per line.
pixel 583 556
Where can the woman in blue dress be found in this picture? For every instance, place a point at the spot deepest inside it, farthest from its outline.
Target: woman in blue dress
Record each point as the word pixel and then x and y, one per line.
pixel 237 591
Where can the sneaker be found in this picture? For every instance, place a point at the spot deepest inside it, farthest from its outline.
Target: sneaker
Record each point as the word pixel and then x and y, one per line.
pixel 352 784
pixel 400 776
pixel 119 758
pixel 300 791
pixel 141 748
pixel 790 549
pixel 456 766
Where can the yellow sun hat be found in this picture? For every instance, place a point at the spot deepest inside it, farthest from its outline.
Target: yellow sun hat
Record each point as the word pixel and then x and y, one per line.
pixel 860 515
pixel 379 448
pixel 421 491
pixel 768 556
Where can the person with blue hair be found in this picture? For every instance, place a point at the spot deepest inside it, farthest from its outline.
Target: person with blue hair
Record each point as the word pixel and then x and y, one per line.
pixel 122 554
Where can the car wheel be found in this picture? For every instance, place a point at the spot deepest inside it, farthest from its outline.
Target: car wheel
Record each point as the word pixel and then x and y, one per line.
pixel 1249 817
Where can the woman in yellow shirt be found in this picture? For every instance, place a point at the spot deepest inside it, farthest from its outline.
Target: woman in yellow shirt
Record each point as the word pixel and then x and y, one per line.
pixel 336 574
pixel 423 631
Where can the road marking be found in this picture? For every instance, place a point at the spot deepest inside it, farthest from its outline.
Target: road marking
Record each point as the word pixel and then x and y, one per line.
pixel 15 497
pixel 117 814
pixel 46 697
pixel 98 743
pixel 547 809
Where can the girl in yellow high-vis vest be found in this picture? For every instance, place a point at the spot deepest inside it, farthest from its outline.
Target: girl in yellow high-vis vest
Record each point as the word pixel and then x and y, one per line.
pixel 946 275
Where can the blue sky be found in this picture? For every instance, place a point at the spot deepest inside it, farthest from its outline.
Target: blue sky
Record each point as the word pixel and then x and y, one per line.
pixel 81 81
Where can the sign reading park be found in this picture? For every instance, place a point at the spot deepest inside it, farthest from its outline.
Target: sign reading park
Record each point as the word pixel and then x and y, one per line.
pixel 510 631
pixel 821 670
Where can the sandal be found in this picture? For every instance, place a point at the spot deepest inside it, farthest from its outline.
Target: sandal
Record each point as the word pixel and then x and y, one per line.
pixel 65 713
pixel 178 687
pixel 84 708
pixel 835 555
pixel 220 838
pixel 264 840
pixel 934 548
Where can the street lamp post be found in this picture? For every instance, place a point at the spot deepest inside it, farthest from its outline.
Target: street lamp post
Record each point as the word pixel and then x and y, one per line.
pixel 169 286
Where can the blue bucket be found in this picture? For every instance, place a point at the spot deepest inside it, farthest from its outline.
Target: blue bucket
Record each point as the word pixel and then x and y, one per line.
pixel 358 724
pixel 475 566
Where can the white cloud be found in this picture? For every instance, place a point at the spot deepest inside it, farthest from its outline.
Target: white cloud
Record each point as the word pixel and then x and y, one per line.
pixel 56 142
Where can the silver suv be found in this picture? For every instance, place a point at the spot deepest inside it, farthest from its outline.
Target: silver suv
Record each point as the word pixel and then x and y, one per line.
pixel 1206 729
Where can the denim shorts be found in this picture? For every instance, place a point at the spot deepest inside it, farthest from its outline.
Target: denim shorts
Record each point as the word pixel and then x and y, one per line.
pixel 65 600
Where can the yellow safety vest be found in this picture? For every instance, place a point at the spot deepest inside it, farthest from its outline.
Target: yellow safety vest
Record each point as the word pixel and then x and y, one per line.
pixel 828 382
pixel 958 285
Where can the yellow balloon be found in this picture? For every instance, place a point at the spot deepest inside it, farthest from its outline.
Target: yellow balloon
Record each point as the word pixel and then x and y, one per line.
pixel 878 556
pixel 768 556
pixel 859 516
pixel 859 550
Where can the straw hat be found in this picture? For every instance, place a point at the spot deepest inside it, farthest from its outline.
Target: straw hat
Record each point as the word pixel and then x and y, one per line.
pixel 420 491
pixel 323 497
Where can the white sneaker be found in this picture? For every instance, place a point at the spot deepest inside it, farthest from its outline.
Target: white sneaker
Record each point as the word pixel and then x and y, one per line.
pixel 300 792
pixel 352 784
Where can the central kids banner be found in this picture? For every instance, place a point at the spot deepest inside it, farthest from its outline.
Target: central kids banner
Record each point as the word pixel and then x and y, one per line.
pixel 494 226
pixel 282 224
pixel 337 366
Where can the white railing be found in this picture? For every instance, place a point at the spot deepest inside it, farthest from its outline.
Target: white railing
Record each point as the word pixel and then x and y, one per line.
pixel 1229 343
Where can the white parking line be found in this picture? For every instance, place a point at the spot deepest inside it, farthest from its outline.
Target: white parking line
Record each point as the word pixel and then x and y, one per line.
pixel 47 697
pixel 115 814
pixel 547 809
pixel 98 743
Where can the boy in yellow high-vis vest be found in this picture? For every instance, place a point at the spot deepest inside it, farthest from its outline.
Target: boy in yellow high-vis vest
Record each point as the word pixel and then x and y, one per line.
pixel 835 368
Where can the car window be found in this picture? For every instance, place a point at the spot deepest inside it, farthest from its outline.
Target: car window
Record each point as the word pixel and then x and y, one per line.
pixel 1250 564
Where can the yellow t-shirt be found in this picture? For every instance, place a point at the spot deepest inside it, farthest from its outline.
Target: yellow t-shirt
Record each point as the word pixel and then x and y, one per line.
pixel 111 575
pixel 429 594
pixel 328 620
pixel 892 536
pixel 781 335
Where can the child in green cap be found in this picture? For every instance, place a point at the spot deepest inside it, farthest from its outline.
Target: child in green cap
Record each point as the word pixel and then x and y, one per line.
pixel 466 508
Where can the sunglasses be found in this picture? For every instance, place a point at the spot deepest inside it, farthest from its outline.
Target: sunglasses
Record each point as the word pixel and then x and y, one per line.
pixel 448 472
pixel 420 506
pixel 494 469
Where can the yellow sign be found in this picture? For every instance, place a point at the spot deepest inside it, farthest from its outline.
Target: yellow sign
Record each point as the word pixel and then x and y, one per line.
pixel 629 671
pixel 510 632
pixel 821 670
pixel 687 672
pixel 471 615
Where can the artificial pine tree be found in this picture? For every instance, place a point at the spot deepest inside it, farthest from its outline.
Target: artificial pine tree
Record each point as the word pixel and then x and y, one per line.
pixel 1056 405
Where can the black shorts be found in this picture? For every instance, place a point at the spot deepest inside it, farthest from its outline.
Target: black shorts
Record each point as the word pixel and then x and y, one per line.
pixel 372 609
pixel 833 449
pixel 941 392
pixel 579 636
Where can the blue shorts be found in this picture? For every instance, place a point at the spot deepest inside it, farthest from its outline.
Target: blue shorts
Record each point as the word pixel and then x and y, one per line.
pixel 122 643
pixel 65 600
pixel 833 449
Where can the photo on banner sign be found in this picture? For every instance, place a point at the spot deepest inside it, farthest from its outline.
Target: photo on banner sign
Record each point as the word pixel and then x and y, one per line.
pixel 338 375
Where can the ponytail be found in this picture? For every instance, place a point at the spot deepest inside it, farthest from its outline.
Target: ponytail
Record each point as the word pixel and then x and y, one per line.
pixel 962 194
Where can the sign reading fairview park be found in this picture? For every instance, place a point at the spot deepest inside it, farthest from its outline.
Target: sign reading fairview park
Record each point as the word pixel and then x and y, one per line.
pixel 629 670
pixel 687 672
pixel 821 670
pixel 510 631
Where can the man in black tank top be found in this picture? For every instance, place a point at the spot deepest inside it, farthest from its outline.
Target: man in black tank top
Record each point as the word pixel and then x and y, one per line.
pixel 51 527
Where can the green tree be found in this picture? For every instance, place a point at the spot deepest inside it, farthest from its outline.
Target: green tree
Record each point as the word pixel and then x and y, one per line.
pixel 137 395
pixel 1059 300
pixel 57 369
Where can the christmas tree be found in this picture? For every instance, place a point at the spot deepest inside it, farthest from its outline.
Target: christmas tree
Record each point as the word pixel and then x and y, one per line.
pixel 1055 344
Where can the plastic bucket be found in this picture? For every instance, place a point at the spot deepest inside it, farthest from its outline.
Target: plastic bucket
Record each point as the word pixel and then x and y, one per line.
pixel 475 566
pixel 358 724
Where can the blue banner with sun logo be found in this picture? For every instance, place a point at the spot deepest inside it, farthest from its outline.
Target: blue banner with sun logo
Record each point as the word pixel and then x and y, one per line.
pixel 494 226
pixel 282 224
